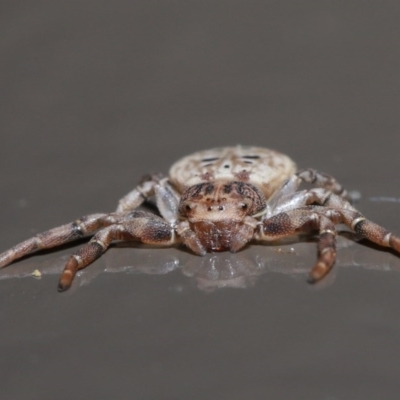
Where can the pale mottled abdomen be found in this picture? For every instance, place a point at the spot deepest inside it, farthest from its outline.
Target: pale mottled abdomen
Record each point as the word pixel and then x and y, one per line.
pixel 265 168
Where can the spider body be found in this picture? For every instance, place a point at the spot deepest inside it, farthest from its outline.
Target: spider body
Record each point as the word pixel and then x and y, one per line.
pixel 217 200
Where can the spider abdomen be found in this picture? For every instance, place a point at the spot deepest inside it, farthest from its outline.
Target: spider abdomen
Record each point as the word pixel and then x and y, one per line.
pixel 264 168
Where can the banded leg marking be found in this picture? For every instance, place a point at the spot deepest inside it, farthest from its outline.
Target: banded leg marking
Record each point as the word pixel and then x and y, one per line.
pixel 135 226
pixel 375 233
pixel 326 250
pixel 87 254
pixel 322 180
pixel 360 225
pixel 303 220
pixel 56 237
pixel 142 192
pixel 284 224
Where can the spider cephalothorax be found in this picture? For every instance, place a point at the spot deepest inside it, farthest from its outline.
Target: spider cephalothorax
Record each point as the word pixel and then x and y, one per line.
pixel 218 200
pixel 220 215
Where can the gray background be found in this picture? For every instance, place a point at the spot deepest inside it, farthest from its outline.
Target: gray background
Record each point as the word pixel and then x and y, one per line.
pixel 94 94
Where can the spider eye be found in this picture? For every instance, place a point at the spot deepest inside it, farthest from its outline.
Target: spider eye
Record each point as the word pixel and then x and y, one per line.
pixel 244 206
pixel 187 207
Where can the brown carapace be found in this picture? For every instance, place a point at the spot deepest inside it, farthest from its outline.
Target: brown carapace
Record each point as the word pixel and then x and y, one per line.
pixel 217 200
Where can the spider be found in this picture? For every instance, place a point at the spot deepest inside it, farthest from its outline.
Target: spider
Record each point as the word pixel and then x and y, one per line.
pixel 216 200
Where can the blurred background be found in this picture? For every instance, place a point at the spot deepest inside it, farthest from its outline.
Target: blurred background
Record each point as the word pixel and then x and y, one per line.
pixel 95 94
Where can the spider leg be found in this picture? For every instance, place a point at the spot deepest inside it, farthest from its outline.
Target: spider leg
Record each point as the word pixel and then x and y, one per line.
pixel 285 199
pixel 295 200
pixel 341 211
pixel 304 220
pixel 142 192
pixel 190 239
pixel 322 180
pixel 358 223
pixel 333 210
pixel 135 226
pixel 326 250
pixel 57 236
pixel 288 196
pixel 167 199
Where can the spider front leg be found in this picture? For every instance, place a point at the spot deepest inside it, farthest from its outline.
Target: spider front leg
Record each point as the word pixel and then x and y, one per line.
pixel 57 236
pixel 135 226
pixel 142 192
pixel 287 197
pixel 167 199
pixel 304 220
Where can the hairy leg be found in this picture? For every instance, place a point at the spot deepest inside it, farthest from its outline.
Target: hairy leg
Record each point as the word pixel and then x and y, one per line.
pixel 322 180
pixel 135 226
pixel 359 224
pixel 335 210
pixel 326 250
pixel 289 197
pixel 167 199
pixel 341 211
pixel 57 236
pixel 304 220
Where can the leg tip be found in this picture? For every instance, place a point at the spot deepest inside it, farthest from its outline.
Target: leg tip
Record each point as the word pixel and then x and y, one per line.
pixel 312 279
pixel 66 278
pixel 319 271
pixel 63 286
pixel 315 276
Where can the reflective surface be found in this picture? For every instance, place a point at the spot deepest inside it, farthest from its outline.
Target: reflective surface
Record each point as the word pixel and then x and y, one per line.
pixel 95 96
